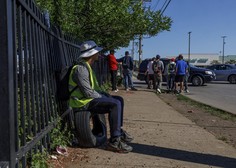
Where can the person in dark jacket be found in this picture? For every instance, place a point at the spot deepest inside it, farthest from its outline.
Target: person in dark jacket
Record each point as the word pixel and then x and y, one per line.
pixel 127 65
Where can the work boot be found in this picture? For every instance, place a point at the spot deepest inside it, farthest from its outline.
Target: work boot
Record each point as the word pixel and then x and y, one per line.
pixel 116 145
pixel 126 137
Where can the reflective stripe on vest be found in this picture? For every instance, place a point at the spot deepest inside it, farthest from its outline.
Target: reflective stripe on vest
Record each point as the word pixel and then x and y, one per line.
pixel 77 99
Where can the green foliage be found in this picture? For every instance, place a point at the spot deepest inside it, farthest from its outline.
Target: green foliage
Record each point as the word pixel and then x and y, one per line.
pixel 215 62
pixel 112 24
pixel 231 62
pixel 39 160
pixel 60 136
pixel 105 87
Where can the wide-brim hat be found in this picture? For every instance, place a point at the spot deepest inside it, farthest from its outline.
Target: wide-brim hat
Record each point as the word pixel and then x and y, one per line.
pixel 88 49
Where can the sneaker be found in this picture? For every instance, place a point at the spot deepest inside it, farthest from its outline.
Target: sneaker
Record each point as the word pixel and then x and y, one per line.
pixel 134 89
pixel 159 91
pixel 117 145
pixel 176 91
pixel 127 90
pixel 125 137
pixel 116 90
pixel 187 91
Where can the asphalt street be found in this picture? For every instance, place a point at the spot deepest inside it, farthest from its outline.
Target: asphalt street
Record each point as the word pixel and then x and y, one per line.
pixel 216 94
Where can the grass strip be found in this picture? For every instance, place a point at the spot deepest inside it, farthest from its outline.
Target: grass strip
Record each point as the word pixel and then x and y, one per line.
pixel 209 109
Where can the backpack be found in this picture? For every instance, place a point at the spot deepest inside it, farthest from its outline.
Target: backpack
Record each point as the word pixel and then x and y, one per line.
pixel 171 68
pixel 156 68
pixel 125 63
pixel 63 93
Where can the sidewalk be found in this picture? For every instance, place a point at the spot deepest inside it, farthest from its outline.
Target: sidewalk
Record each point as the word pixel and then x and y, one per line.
pixel 162 138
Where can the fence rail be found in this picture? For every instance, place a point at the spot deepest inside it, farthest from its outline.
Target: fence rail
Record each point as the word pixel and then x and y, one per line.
pixel 32 51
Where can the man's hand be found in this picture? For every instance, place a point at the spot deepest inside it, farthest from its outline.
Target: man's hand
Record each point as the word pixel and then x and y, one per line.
pixel 106 94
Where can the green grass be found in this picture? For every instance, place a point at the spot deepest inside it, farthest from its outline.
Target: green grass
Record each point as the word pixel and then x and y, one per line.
pixel 212 110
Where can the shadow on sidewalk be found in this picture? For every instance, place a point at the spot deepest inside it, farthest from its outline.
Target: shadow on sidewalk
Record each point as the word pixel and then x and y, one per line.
pixel 201 158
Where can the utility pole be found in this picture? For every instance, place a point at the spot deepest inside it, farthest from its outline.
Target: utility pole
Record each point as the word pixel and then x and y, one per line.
pixel 140 50
pixel 189 38
pixel 140 45
pixel 132 51
pixel 223 51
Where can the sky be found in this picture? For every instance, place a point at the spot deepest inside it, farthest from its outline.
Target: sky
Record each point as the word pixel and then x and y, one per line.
pixel 207 20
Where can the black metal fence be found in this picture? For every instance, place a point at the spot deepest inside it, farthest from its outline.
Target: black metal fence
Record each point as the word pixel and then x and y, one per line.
pixel 31 51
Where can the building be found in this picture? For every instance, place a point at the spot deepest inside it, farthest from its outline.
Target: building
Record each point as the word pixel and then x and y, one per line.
pixel 201 59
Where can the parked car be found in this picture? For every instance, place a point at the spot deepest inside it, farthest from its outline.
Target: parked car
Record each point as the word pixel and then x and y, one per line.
pixel 224 72
pixel 198 76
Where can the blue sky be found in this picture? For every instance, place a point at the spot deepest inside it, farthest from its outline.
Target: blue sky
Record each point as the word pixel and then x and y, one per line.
pixel 208 20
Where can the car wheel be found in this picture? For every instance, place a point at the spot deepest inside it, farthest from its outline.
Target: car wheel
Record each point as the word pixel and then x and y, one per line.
pixel 197 81
pixel 90 129
pixel 232 79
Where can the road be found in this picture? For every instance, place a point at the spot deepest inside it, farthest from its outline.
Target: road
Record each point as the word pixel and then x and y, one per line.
pixel 217 94
pixel 221 95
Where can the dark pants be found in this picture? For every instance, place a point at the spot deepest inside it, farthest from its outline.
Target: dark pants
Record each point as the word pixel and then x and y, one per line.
pixel 171 81
pixel 114 106
pixel 113 79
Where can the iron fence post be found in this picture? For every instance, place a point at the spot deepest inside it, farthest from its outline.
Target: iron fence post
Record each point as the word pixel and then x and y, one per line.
pixel 7 115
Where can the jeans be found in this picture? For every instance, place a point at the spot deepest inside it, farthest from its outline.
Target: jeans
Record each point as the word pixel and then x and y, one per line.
pixel 186 82
pixel 128 79
pixel 114 106
pixel 171 80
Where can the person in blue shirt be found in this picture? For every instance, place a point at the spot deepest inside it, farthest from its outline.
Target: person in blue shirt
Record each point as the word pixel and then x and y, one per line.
pixel 181 69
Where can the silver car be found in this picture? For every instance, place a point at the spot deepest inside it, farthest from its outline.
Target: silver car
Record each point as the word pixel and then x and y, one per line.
pixel 224 72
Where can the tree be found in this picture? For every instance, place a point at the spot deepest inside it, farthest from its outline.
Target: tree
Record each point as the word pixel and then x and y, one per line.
pixel 111 23
pixel 231 62
pixel 215 62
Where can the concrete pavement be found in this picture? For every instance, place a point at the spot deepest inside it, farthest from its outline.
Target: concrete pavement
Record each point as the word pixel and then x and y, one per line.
pixel 162 138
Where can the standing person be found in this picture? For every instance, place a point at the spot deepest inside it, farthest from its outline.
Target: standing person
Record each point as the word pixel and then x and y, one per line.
pixel 113 66
pixel 181 68
pixel 186 78
pixel 150 73
pixel 158 68
pixel 171 74
pixel 127 65
pixel 90 96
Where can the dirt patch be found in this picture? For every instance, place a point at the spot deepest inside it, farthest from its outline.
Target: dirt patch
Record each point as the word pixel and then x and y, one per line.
pixel 221 128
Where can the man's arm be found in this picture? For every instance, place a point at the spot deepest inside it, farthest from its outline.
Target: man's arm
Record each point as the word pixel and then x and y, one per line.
pixel 81 78
pixel 120 59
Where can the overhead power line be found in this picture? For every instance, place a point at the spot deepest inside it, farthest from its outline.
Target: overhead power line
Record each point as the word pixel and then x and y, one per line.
pixel 163 10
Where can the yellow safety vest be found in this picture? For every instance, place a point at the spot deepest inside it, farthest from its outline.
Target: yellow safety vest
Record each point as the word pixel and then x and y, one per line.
pixel 77 99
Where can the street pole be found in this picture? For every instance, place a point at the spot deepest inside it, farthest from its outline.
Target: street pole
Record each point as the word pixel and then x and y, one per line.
pixel 223 51
pixel 140 49
pixel 189 38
